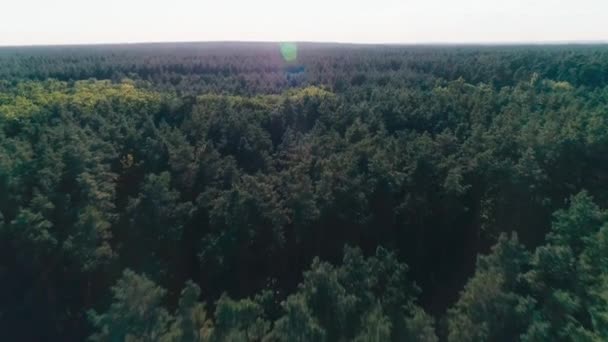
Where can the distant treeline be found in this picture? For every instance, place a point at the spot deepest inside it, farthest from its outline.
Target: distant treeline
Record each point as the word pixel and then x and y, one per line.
pixel 253 68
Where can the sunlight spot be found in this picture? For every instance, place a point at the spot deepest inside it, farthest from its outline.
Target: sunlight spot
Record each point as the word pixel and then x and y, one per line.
pixel 289 51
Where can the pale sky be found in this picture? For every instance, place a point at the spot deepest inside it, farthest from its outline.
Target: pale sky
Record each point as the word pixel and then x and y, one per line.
pixel 28 22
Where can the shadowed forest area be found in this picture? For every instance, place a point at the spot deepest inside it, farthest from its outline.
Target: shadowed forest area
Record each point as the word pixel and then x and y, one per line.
pixel 231 192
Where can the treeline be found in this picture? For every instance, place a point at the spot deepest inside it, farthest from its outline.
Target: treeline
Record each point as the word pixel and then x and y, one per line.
pixel 219 193
pixel 253 68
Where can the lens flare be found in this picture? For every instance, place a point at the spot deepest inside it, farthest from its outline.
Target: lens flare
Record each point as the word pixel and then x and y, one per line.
pixel 289 51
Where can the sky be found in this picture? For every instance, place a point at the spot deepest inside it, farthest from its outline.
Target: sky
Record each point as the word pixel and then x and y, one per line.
pixel 33 22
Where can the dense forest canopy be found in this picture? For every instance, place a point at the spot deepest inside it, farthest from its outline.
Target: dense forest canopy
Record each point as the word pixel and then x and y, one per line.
pixel 315 192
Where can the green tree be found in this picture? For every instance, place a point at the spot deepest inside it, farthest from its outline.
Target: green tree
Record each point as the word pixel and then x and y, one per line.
pixel 136 313
pixel 191 322
pixel 490 307
pixel 375 327
pixel 567 276
pixel 297 324
pixel 241 320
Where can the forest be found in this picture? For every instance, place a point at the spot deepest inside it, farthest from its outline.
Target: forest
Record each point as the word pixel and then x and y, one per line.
pixel 303 192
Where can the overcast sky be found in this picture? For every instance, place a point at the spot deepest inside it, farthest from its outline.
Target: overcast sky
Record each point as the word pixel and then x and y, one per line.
pixel 27 22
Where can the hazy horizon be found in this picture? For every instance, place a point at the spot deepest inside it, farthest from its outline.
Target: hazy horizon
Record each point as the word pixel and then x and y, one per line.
pixel 73 22
pixel 438 43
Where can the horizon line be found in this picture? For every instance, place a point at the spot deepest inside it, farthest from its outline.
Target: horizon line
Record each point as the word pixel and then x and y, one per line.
pixel 421 43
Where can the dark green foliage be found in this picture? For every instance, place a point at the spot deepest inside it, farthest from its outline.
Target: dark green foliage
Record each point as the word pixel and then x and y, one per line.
pixel 297 324
pixel 380 308
pixel 557 294
pixel 366 299
pixel 191 322
pixel 489 308
pixel 136 313
pixel 241 320
pixel 233 178
pixel 567 279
